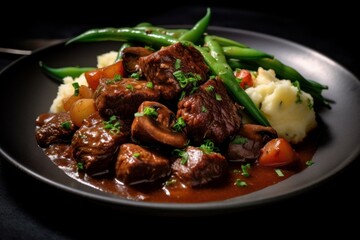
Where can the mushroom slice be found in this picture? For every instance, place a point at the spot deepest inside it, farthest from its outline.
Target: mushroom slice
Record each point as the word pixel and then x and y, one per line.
pixel 153 124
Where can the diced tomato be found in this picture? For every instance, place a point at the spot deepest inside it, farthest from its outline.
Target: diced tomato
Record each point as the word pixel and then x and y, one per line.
pixel 277 153
pixel 93 77
pixel 246 78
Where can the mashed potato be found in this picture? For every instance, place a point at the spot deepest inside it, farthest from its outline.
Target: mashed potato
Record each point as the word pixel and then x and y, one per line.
pixel 106 59
pixel 66 89
pixel 289 110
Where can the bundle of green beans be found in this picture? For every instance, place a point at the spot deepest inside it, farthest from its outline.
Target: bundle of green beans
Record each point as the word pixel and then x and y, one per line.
pixel 222 55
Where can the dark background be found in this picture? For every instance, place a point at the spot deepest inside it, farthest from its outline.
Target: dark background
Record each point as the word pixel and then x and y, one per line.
pixel 30 209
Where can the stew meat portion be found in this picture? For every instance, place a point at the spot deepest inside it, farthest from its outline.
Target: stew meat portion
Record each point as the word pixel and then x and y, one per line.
pixel 137 134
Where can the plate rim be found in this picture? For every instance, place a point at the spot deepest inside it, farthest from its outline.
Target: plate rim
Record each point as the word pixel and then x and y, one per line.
pixel 215 206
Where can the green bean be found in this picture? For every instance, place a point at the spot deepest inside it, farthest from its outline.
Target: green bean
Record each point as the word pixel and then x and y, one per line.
pixel 194 34
pixel 58 74
pixel 245 53
pixel 219 66
pixel 227 42
pixel 175 33
pixel 123 35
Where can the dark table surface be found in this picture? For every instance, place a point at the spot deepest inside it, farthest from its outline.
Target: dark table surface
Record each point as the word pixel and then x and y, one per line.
pixel 30 209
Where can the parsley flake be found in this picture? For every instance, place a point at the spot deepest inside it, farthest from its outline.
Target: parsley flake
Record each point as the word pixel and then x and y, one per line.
pixel 279 172
pixel 208 147
pixel 239 140
pixel 186 79
pixel 181 153
pixel 76 88
pixel 170 182
pixel 309 163
pixel 150 85
pixel 179 125
pixel 148 111
pixel 135 75
pixel 177 64
pixel 130 87
pixel 113 125
pixel 204 109
pixel 245 170
pixel 240 183
pixel 66 125
pixel 218 97
pixel 80 166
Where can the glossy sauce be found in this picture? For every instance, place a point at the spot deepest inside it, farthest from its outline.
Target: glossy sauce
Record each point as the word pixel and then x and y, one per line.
pixel 176 192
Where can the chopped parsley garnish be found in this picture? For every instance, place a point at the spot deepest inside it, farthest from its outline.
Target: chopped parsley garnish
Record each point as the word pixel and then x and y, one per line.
pixel 309 163
pixel 76 88
pixel 170 182
pixel 113 125
pixel 186 79
pixel 210 88
pixel 80 166
pixel 204 109
pixel 245 169
pixel 279 172
pixel 239 140
pixel 66 125
pixel 240 183
pixel 148 111
pixel 136 155
pixel 135 75
pixel 183 93
pixel 181 153
pixel 218 97
pixel 130 87
pixel 117 77
pixel 298 93
pixel 179 125
pixel 177 64
pixel 150 85
pixel 208 147
pixel 193 90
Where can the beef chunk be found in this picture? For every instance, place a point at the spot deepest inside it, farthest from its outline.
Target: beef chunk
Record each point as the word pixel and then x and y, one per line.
pixel 131 55
pixel 209 113
pixel 136 164
pixel 247 143
pixel 54 128
pixel 95 143
pixel 122 98
pixel 200 168
pixel 157 129
pixel 160 66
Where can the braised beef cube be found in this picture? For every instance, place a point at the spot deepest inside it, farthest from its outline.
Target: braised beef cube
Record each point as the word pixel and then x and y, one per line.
pixel 197 168
pixel 247 143
pixel 96 142
pixel 158 127
pixel 122 98
pixel 136 164
pixel 209 113
pixel 160 67
pixel 131 55
pixel 54 128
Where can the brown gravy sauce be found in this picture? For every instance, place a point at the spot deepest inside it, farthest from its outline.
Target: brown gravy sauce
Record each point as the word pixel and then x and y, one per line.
pixel 260 177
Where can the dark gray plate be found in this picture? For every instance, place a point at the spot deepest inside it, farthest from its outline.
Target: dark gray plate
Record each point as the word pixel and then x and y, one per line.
pixel 25 93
